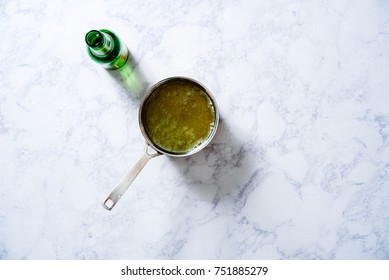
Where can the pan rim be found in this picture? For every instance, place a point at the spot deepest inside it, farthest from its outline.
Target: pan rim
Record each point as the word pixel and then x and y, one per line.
pixel 190 151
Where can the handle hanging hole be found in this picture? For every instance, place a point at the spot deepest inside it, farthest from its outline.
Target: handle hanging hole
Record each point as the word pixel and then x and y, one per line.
pixel 108 204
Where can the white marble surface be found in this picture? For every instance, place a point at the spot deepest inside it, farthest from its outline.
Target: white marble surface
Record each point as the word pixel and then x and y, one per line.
pixel 299 168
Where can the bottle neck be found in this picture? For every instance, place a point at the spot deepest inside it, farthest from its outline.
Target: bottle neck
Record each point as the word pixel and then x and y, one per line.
pixel 100 44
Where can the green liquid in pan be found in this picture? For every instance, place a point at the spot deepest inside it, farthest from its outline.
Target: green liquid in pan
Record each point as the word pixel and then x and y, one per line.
pixel 178 116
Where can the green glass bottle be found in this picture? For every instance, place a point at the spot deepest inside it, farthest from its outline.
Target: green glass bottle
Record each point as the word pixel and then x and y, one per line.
pixel 106 48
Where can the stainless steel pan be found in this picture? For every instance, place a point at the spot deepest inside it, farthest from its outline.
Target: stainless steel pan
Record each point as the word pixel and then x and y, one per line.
pixel 126 181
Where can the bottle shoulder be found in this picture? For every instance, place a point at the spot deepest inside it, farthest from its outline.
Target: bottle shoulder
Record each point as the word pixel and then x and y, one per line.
pixel 117 51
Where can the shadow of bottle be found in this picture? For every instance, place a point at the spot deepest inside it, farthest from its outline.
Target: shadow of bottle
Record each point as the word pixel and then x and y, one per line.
pixel 131 78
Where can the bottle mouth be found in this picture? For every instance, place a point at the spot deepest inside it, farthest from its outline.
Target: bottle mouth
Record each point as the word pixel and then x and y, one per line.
pixel 94 38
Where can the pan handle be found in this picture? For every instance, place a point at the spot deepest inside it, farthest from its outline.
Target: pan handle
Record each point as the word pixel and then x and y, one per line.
pixel 126 181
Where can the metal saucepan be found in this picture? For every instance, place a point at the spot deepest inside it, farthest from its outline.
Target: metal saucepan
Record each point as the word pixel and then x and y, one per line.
pixel 164 91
